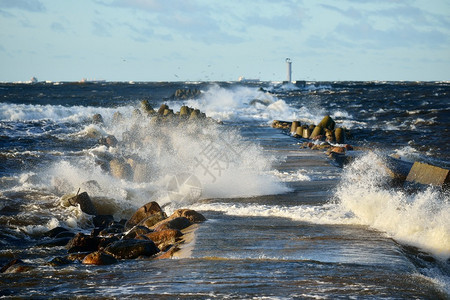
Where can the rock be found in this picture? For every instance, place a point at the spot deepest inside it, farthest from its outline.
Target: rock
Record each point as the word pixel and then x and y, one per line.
pixel 106 241
pixel 195 114
pixel 16 266
pixel 190 214
pixel 184 111
pixel 76 256
pixel 281 124
pixel 294 126
pixel 120 169
pixel 329 135
pixel 10 263
pixel 59 261
pixel 97 119
pixel 327 122
pixel 109 141
pixel 56 242
pixel 54 232
pixel 85 203
pixel 65 234
pixel 164 238
pixel 169 253
pixel 146 107
pixel 112 230
pixel 99 258
pixel 339 135
pixel 132 248
pixel 153 219
pixel 136 231
pixel 162 108
pixel 422 173
pixel 179 223
pixel 316 132
pixel 340 150
pixel 142 213
pixel 299 131
pixel 82 243
pixel 117 118
pixel 306 133
pixel 103 221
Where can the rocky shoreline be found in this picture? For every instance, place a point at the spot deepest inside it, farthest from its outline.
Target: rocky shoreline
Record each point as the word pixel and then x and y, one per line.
pixel 149 233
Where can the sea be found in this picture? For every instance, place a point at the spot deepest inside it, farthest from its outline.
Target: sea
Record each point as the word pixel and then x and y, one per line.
pixel 283 221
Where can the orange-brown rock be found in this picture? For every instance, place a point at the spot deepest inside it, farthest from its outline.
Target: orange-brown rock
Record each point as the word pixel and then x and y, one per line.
pixel 164 238
pixel 191 215
pixel 179 223
pixel 99 258
pixel 169 253
pixel 142 213
pixel 338 150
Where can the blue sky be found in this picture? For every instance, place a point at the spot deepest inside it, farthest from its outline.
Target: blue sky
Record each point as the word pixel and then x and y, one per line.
pixel 168 40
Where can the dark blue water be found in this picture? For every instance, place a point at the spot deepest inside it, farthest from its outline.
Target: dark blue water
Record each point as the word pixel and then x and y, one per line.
pixel 283 222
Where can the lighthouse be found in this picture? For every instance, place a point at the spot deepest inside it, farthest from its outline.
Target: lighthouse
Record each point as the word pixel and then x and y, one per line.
pixel 289 69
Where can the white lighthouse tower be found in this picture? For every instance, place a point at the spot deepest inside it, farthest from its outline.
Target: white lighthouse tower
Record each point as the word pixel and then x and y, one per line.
pixel 289 70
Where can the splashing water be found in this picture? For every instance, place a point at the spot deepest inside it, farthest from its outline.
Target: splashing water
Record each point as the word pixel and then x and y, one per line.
pixel 419 219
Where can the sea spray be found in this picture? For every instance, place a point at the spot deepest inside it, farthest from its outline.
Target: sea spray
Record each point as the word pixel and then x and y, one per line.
pixel 226 164
pixel 419 219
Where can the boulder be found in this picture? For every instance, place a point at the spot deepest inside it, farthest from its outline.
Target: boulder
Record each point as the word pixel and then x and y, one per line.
pixel 132 248
pixel 136 231
pixel 162 108
pixel 117 118
pixel 327 122
pixel 169 253
pixel 317 132
pixel 85 203
pixel 339 135
pixel 422 173
pixel 299 131
pixel 153 219
pixel 77 256
pixel 294 126
pixel 55 242
pixel 142 213
pixel 281 124
pixel 59 261
pixel 179 223
pixel 146 107
pixel 120 169
pixel 306 133
pixel 164 238
pixel 82 243
pixel 54 232
pixel 16 266
pixel 102 221
pixel 99 258
pixel 184 111
pixel 97 119
pixel 191 215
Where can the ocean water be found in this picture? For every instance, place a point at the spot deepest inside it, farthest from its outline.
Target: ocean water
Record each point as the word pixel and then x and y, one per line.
pixel 283 222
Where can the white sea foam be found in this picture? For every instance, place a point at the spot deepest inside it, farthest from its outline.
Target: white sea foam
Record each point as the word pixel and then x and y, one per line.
pixel 419 219
pixel 57 113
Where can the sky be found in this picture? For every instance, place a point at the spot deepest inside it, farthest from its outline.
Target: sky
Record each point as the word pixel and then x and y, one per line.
pixel 206 40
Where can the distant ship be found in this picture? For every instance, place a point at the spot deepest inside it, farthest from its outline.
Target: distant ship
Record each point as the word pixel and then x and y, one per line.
pixel 242 79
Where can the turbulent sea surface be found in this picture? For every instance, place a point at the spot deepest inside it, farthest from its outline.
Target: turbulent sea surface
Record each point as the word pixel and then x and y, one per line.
pixel 282 222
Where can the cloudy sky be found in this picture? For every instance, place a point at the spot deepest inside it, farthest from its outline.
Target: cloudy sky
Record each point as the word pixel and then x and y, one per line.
pixel 169 40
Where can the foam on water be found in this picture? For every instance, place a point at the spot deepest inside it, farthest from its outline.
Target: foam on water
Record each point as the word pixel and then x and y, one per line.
pixel 419 219
pixel 56 113
pixel 241 103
